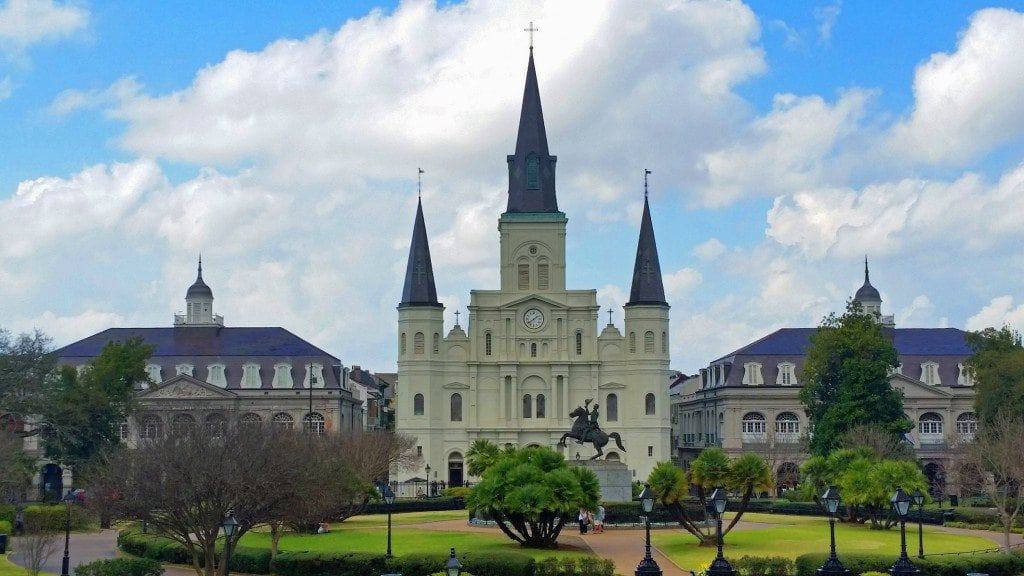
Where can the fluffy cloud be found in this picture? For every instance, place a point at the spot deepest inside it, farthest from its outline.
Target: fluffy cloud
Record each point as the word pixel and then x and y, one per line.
pixel 27 22
pixel 678 283
pixel 888 217
pixel 826 17
pixel 968 102
pixel 999 312
pixel 784 150
pixel 709 249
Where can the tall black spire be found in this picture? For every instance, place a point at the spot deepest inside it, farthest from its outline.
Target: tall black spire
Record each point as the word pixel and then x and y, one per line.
pixel 647 285
pixel 419 287
pixel 531 170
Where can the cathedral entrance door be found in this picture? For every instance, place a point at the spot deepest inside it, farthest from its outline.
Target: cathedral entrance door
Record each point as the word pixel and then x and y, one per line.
pixel 455 470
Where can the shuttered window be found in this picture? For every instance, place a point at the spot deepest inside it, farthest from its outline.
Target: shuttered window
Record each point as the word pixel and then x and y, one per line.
pixel 524 276
pixel 417 343
pixel 542 276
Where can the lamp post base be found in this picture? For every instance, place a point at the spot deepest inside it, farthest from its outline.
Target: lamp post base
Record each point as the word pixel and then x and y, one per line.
pixel 904 567
pixel 648 567
pixel 721 567
pixel 833 567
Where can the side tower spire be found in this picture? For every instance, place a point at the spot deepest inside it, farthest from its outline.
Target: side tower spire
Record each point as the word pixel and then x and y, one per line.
pixel 648 287
pixel 531 170
pixel 419 289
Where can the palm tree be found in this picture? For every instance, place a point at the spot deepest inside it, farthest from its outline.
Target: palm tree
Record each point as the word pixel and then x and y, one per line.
pixel 748 475
pixel 480 456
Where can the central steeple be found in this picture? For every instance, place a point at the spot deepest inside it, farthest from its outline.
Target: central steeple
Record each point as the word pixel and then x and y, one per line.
pixel 531 170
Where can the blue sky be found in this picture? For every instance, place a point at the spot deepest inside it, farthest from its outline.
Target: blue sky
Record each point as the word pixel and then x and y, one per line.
pixel 787 140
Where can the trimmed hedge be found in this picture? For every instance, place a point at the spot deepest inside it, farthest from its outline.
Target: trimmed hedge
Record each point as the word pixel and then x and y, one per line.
pixel 120 567
pixel 5 527
pixel 54 516
pixel 763 566
pixel 417 505
pixel 367 564
pixel 993 564
pixel 244 559
pixel 587 566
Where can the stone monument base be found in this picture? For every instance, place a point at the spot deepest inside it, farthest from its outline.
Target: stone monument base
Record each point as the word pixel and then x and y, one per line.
pixel 615 479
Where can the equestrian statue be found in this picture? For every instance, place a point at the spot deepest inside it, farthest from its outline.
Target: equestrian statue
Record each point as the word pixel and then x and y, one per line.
pixel 585 429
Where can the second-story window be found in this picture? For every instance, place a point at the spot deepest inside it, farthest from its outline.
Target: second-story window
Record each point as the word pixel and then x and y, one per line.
pixel 524 276
pixel 542 276
pixel 649 342
pixel 579 343
pixel 487 343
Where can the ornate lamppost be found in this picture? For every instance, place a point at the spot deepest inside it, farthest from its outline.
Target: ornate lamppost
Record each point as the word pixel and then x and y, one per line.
pixel 427 482
pixel 648 566
pixel 453 567
pixel 65 564
pixel 230 526
pixel 389 498
pixel 720 566
pixel 832 566
pixel 918 498
pixel 901 506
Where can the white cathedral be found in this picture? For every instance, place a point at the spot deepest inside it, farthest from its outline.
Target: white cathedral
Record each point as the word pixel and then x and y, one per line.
pixel 534 349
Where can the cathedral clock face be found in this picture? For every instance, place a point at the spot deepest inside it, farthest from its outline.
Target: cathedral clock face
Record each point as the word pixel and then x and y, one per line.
pixel 533 319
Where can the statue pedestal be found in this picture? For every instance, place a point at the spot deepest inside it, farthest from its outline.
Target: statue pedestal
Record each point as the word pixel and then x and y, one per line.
pixel 615 478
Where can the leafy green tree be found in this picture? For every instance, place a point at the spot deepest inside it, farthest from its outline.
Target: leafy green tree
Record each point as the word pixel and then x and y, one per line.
pixel 531 493
pixel 83 411
pixel 997 366
pixel 747 476
pixel 846 380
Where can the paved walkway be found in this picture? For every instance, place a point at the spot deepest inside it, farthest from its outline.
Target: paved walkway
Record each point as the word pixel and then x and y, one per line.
pixel 626 548
pixel 85 547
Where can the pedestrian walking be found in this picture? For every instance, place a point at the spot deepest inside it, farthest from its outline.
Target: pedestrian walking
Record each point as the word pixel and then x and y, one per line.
pixel 599 520
pixel 583 519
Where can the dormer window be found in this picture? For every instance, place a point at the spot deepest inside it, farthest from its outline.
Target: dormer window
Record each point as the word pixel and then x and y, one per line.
pixel 215 375
pixel 154 373
pixel 314 376
pixel 964 378
pixel 251 376
pixel 930 373
pixel 186 369
pixel 752 374
pixel 532 172
pixel 282 376
pixel 787 374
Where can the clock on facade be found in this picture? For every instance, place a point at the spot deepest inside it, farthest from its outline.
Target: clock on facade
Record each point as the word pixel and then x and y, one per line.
pixel 533 318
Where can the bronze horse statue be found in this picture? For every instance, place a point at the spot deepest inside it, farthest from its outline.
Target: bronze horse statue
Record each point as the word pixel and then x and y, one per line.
pixel 585 431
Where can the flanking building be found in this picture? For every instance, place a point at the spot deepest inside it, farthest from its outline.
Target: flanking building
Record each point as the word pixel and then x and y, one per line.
pixel 747 400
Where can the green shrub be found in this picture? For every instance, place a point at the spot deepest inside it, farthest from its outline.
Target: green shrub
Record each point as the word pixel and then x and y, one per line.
pixel 366 564
pixel 153 547
pixel 120 567
pixel 584 566
pixel 53 517
pixel 416 505
pixel 446 574
pixel 7 512
pixel 455 492
pixel 993 564
pixel 5 527
pixel 247 560
pixel 764 566
pixel 875 574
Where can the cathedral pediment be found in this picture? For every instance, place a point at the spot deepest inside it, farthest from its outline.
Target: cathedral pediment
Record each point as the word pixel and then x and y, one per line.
pixel 186 388
pixel 534 298
pixel 612 386
pixel 455 386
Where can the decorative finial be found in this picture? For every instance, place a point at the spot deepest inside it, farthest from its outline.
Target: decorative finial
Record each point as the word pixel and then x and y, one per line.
pixel 646 174
pixel 457 317
pixel 200 264
pixel 419 183
pixel 531 30
pixel 866 276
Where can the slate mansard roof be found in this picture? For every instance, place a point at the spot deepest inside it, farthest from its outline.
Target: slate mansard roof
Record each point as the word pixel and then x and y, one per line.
pixel 908 342
pixel 201 341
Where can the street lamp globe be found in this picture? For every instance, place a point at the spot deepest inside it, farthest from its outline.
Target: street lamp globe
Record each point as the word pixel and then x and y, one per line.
pixel 917 497
pixel 831 499
pixel 453 567
pixel 230 525
pixel 900 503
pixel 719 499
pixel 647 499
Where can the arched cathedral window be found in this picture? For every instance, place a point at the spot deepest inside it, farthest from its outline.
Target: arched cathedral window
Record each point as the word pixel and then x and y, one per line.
pixel 487 343
pixel 649 342
pixel 649 404
pixel 417 405
pixel 611 408
pixel 527 406
pixel 456 407
pixel 417 343
pixel 632 342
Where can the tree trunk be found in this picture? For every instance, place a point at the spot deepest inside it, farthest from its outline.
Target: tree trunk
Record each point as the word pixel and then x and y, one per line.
pixel 275 539
pixel 739 513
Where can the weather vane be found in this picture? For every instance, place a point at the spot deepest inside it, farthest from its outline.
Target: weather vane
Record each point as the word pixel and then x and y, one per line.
pixel 646 174
pixel 531 30
pixel 419 183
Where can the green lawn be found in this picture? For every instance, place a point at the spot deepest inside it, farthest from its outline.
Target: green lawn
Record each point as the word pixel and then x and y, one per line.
pixel 367 534
pixel 8 568
pixel 792 536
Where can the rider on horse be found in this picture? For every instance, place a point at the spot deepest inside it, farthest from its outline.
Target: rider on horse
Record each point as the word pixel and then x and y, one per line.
pixel 592 424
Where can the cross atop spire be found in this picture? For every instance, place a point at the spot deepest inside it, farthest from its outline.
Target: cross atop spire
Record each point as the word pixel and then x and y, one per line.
pixel 457 317
pixel 531 30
